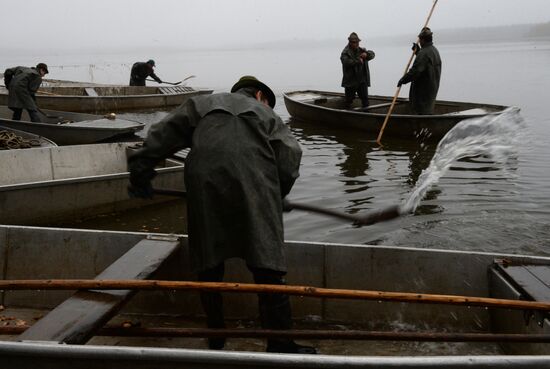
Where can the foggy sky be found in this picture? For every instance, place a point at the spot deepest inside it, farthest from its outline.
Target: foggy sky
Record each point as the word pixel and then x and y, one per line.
pixel 124 24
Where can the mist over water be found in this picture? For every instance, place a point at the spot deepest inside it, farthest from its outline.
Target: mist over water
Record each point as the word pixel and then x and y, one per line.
pixel 494 137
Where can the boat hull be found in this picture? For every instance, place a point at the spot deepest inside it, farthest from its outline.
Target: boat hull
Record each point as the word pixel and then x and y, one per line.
pixel 113 99
pixel 69 128
pixel 327 108
pixel 41 186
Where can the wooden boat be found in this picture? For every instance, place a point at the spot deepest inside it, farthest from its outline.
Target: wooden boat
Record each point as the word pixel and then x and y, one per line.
pixel 328 108
pixel 66 326
pixel 99 99
pixel 14 139
pixel 45 185
pixel 68 128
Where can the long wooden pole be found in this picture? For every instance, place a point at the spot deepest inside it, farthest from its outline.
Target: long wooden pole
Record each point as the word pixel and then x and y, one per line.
pixel 117 331
pixel 378 140
pixel 308 291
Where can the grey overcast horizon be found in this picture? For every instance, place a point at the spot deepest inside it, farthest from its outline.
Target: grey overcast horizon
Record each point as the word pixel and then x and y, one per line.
pixel 208 24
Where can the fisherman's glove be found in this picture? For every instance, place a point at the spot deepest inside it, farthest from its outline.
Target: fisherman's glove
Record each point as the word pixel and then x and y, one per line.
pixel 415 47
pixel 370 55
pixel 287 206
pixel 140 189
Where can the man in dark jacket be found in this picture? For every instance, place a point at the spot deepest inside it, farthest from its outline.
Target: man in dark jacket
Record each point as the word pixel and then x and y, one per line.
pixel 242 163
pixel 424 74
pixel 140 71
pixel 22 83
pixel 355 68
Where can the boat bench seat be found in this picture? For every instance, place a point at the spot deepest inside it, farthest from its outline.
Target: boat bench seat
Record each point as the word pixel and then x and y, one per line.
pixel 90 91
pixel 372 107
pixel 532 281
pixel 76 319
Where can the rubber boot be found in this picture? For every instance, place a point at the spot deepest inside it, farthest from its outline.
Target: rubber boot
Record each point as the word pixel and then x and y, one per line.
pixel 275 313
pixel 213 306
pixel 212 303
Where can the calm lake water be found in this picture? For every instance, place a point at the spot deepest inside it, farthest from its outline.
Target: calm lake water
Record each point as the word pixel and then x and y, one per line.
pixel 477 205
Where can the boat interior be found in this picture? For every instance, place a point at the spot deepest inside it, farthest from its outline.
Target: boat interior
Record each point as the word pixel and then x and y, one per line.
pixel 170 318
pixel 15 139
pixel 381 104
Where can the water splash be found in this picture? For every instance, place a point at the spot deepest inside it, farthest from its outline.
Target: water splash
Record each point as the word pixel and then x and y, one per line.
pixel 494 136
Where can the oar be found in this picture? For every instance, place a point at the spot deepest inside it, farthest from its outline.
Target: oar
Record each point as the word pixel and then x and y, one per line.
pixel 306 291
pixel 372 217
pixel 168 83
pixel 376 216
pixel 173 83
pixel 378 140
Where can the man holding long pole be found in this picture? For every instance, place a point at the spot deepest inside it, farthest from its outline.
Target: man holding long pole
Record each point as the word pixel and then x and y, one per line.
pixel 424 74
pixel 379 138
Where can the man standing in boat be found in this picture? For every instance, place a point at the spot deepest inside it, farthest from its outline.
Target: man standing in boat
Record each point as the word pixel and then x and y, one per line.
pixel 140 71
pixel 243 162
pixel 22 83
pixel 424 74
pixel 355 68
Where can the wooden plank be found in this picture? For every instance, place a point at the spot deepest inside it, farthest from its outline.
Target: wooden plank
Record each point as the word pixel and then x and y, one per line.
pixel 91 91
pixel 372 107
pixel 542 272
pixel 532 280
pixel 76 319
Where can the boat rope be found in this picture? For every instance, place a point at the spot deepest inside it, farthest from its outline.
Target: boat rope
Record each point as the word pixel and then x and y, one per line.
pixel 10 140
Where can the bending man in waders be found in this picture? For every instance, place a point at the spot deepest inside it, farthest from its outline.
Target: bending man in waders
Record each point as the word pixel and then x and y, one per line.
pixel 22 84
pixel 140 71
pixel 243 162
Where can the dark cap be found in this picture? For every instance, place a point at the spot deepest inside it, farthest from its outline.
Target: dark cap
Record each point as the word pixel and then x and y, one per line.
pixel 425 33
pixel 151 62
pixel 42 66
pixel 353 37
pixel 251 81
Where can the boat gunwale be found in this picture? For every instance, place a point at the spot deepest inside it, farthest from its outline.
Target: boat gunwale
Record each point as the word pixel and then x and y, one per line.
pixel 173 357
pixel 84 179
pixel 160 95
pixel 135 128
pixel 496 255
